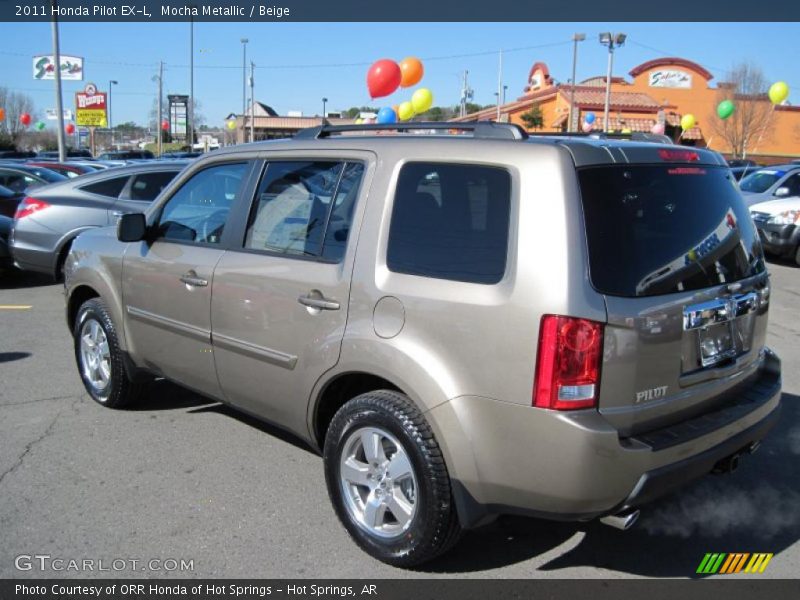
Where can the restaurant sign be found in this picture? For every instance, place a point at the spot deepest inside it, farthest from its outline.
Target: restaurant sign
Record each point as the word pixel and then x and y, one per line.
pixel 670 79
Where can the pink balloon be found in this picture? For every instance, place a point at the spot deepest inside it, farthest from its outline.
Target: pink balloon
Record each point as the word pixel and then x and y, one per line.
pixel 587 127
pixel 657 129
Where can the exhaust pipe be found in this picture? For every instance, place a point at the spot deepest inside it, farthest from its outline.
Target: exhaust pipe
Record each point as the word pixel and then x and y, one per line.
pixel 623 520
pixel 729 464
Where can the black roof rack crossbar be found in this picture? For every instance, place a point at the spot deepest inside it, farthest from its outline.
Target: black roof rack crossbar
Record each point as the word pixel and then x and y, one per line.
pixel 479 129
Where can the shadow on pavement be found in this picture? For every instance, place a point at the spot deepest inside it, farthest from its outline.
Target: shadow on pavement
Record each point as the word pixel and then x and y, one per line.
pixel 13 279
pixel 756 509
pixel 12 356
pixel 163 395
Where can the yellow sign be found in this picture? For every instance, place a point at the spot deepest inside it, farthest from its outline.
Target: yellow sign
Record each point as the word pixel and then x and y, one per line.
pixel 91 117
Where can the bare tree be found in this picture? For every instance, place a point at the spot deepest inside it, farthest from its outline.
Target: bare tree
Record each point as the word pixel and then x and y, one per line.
pixel 749 124
pixel 15 105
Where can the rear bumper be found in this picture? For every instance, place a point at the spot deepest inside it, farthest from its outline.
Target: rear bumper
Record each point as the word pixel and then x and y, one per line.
pixel 513 459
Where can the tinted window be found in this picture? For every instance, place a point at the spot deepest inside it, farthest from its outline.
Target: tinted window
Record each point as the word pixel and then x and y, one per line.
pixel 146 186
pixel 760 181
pixel 298 201
pixel 450 222
pixel 17 182
pixel 792 184
pixel 48 175
pixel 198 211
pixel 108 187
pixel 662 229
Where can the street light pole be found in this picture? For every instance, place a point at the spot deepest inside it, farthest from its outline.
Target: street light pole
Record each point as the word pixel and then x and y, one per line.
pixel 252 102
pixel 160 108
pixel 62 150
pixel 110 121
pixel 324 103
pixel 191 84
pixel 578 37
pixel 244 87
pixel 612 41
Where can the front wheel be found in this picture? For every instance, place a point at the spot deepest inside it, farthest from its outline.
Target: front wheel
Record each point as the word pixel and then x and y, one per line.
pixel 387 480
pixel 99 358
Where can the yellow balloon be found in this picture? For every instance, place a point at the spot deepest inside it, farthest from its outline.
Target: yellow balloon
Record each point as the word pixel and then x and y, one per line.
pixel 778 92
pixel 422 100
pixel 359 121
pixel 231 124
pixel 406 111
pixel 688 122
pixel 626 131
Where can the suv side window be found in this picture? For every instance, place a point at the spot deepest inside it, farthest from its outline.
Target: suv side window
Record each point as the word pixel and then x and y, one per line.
pixel 108 187
pixel 146 186
pixel 304 208
pixel 198 211
pixel 793 183
pixel 450 221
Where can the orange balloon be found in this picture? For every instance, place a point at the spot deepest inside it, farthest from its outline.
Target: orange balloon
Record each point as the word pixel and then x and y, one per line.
pixel 412 71
pixel 396 108
pixel 2 114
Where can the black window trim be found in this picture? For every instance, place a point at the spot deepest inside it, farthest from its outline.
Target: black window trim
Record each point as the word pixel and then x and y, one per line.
pixel 513 208
pixel 242 238
pixel 225 241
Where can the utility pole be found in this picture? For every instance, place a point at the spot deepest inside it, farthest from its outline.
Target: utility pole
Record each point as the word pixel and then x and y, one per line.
pixel 252 102
pixel 244 88
pixel 578 37
pixel 160 108
pixel 62 150
pixel 499 83
pixel 612 41
pixel 465 93
pixel 191 83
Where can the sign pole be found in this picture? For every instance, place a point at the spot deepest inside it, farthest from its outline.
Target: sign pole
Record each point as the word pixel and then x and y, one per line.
pixel 62 150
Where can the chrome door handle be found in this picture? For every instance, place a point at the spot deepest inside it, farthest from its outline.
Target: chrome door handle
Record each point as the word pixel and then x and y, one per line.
pixel 320 303
pixel 194 281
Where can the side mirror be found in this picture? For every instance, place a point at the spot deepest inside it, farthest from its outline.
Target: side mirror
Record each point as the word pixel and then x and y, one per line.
pixel 781 192
pixel 131 227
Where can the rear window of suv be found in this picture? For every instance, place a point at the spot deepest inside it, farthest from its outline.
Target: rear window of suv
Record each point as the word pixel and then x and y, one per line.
pixel 450 221
pixel 662 229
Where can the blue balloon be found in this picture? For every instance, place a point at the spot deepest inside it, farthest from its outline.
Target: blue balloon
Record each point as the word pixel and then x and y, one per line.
pixel 590 117
pixel 387 115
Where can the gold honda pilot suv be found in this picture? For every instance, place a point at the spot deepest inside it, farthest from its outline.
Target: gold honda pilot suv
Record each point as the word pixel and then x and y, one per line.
pixel 463 320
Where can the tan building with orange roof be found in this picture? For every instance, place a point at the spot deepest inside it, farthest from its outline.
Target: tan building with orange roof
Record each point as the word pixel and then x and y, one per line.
pixel 659 91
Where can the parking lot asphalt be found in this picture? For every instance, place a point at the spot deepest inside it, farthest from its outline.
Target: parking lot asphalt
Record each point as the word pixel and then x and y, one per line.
pixel 180 477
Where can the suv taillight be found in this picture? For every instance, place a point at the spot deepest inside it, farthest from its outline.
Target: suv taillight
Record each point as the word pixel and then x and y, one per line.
pixel 29 206
pixel 568 363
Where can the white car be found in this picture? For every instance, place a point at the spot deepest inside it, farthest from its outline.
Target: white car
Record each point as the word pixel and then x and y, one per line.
pixel 778 224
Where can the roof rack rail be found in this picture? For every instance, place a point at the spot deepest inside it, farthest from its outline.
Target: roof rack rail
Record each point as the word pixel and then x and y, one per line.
pixel 636 136
pixel 480 129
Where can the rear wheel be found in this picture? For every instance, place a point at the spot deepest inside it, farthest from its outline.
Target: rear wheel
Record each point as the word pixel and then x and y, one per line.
pixel 99 358
pixel 388 481
pixel 797 255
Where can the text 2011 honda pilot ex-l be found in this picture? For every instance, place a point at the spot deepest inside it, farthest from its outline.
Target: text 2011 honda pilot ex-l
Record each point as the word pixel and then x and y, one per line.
pixel 463 320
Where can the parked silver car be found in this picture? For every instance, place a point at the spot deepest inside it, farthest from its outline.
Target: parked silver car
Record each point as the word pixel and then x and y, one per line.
pixel 463 326
pixel 50 217
pixel 770 183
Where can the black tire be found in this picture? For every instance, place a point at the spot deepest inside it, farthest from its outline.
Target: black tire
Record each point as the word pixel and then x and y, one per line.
pixel 797 255
pixel 119 391
pixel 434 528
pixel 58 275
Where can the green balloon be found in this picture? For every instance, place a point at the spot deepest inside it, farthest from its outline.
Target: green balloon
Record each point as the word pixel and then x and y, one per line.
pixel 40 125
pixel 725 109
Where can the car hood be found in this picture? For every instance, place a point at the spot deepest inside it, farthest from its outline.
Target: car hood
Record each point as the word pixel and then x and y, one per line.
pixel 774 207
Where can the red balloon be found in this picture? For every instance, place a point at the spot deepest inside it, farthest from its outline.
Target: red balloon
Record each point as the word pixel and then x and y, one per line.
pixel 70 128
pixel 25 119
pixel 165 125
pixel 383 78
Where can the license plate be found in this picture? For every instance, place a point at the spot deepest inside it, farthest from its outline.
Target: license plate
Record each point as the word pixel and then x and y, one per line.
pixel 716 343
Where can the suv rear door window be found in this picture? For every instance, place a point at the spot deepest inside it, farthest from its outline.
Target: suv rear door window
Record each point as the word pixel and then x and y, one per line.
pixel 662 229
pixel 304 208
pixel 451 222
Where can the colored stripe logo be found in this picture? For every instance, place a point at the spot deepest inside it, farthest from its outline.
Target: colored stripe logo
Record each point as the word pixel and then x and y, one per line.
pixel 723 563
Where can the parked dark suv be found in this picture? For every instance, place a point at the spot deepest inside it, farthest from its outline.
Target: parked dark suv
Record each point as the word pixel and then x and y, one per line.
pixel 463 325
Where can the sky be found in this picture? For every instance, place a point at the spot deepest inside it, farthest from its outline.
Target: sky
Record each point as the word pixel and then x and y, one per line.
pixel 297 64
